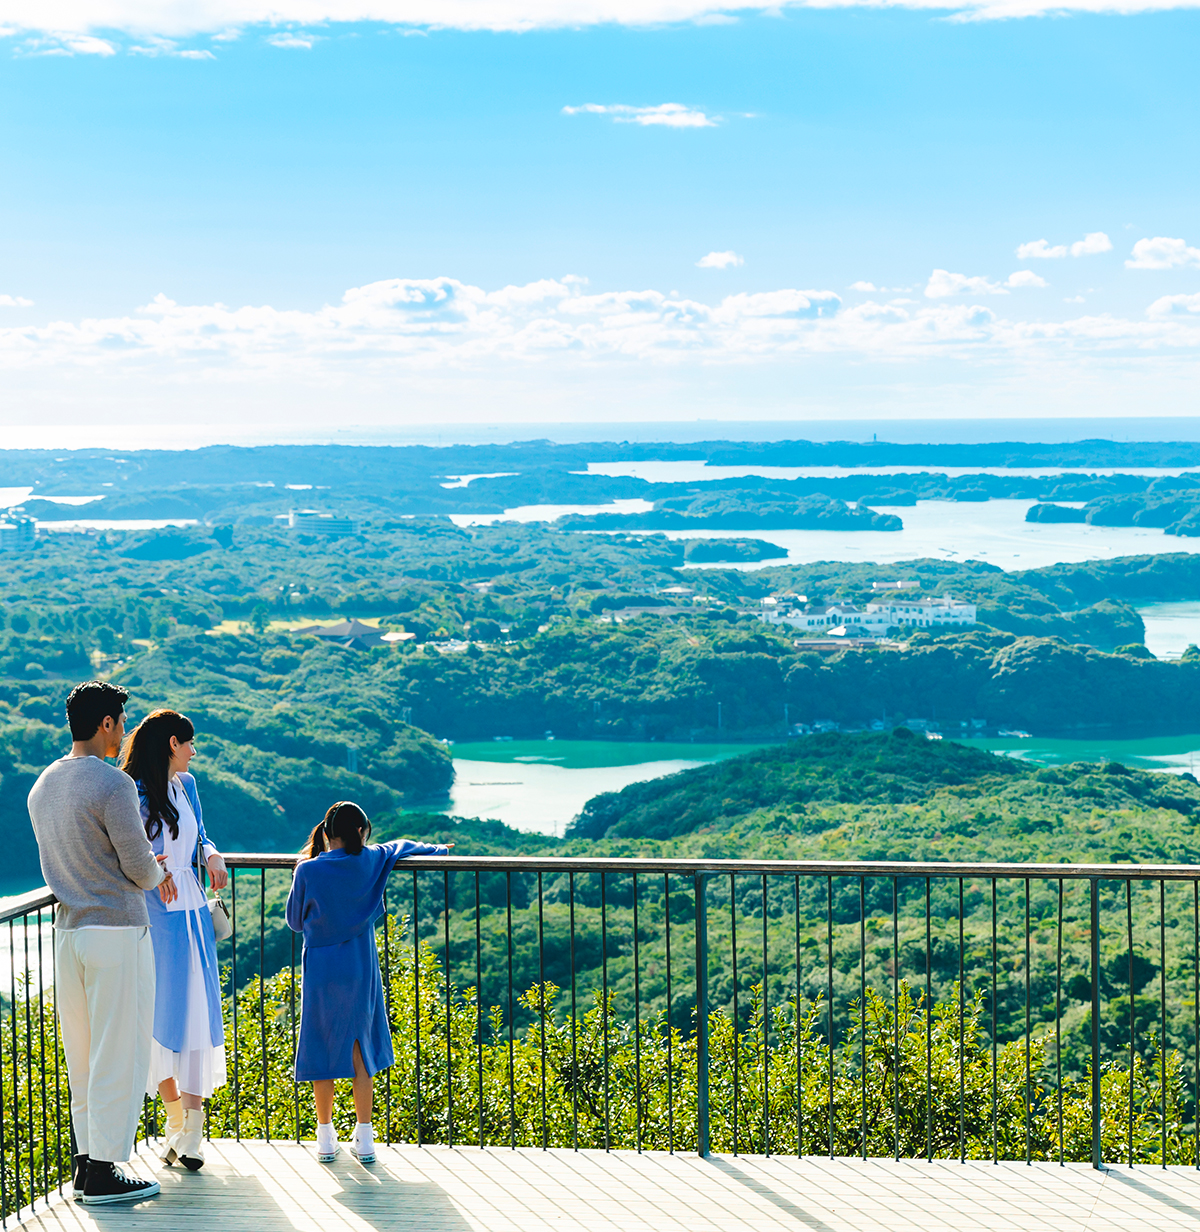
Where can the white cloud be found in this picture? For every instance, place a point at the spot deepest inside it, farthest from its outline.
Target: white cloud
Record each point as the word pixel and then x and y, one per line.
pixel 136 17
pixel 666 115
pixel 863 286
pixel 943 283
pixel 304 41
pixel 1091 245
pixel 1040 250
pixel 720 260
pixel 444 326
pixel 58 43
pixel 1074 299
pixel 1161 253
pixel 157 46
pixel 1174 305
pixel 15 301
pixel 1024 278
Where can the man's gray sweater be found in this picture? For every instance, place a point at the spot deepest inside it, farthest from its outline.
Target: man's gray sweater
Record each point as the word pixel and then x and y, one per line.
pixel 95 855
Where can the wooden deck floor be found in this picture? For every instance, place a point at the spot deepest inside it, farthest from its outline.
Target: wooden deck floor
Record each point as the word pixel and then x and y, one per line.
pixel 260 1187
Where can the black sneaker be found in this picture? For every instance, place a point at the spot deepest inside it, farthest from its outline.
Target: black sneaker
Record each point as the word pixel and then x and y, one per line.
pixel 78 1176
pixel 107 1183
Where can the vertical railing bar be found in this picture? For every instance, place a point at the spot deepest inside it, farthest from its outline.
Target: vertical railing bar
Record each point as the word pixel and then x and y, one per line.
pixel 3 1136
pixel 702 1059
pixel 962 1081
pixel 829 1005
pixel 233 940
pixel 55 1024
pixel 512 1093
pixel 670 1029
pixel 799 1054
pixel 449 1052
pixel 4 1141
pixel 575 1024
pixel 1162 989
pixel 766 1012
pixel 1028 1033
pixel 737 1043
pixel 479 1007
pixel 604 1012
pixel 1058 1024
pixel 896 1014
pixel 416 932
pixel 387 995
pixel 862 1007
pixel 637 1025
pixel 42 1059
pixel 929 1026
pixel 292 1012
pixel 995 1027
pixel 1094 904
pixel 1129 963
pixel 16 1076
pixel 542 997
pixel 262 989
pixel 29 1062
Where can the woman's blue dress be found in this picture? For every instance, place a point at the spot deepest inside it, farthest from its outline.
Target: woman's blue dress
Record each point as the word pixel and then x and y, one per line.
pixel 334 901
pixel 185 960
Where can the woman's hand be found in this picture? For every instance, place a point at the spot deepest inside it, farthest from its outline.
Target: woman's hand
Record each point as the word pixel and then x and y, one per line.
pixel 217 871
pixel 168 891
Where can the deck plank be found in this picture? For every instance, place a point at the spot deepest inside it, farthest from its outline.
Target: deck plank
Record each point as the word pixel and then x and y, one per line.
pixel 279 1187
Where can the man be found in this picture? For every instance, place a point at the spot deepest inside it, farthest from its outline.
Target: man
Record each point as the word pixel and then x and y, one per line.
pixel 98 862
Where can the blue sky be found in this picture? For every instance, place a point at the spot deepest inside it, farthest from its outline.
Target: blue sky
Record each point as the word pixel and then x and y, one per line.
pixel 249 186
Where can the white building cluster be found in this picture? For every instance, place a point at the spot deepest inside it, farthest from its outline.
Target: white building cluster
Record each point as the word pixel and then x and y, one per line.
pixel 873 619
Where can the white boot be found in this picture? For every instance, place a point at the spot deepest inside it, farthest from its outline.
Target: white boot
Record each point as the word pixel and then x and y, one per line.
pixel 362 1145
pixel 188 1144
pixel 327 1143
pixel 174 1111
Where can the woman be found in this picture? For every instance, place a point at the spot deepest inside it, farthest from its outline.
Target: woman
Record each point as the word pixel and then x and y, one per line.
pixel 187 1054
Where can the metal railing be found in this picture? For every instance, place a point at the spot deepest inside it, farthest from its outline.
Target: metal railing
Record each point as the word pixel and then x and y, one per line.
pixel 986 1011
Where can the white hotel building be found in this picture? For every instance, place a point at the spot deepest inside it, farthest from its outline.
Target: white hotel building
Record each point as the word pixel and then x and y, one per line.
pixel 875 619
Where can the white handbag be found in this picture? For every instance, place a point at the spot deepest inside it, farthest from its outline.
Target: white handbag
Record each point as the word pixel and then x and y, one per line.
pixel 222 924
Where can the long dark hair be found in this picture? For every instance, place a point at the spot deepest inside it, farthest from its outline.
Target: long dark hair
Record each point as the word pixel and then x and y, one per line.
pixel 344 820
pixel 146 759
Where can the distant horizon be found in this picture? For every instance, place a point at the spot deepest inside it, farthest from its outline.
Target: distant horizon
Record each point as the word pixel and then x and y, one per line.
pixel 931 431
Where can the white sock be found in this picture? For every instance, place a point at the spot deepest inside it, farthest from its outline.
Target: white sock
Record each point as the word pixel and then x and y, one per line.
pixel 326 1136
pixel 364 1132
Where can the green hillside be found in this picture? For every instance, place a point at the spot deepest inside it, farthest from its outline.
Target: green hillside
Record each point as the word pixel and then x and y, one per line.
pixel 898 796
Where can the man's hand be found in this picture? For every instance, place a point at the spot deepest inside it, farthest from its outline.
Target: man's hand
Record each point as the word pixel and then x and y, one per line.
pixel 168 891
pixel 217 871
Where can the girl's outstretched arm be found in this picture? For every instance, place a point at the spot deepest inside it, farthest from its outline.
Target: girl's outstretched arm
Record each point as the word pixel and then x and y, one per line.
pixel 403 847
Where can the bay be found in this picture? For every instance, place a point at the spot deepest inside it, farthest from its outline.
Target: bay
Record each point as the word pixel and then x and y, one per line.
pixel 1171 627
pixel 540 785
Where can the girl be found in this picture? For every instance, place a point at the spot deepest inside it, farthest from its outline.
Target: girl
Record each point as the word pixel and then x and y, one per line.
pixel 336 897
pixel 188 1048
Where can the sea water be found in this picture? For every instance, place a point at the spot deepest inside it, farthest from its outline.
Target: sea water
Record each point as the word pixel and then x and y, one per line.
pixel 540 785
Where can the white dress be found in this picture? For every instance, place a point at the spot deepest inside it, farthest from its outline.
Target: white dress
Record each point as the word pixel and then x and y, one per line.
pixel 193 993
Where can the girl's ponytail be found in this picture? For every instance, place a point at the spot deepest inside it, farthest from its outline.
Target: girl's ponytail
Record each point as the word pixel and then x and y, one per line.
pixel 316 842
pixel 344 820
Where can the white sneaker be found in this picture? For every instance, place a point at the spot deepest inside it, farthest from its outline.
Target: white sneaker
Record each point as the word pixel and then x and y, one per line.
pixel 327 1144
pixel 362 1145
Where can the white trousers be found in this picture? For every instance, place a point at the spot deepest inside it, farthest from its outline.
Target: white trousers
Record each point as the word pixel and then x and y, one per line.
pixel 106 1008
